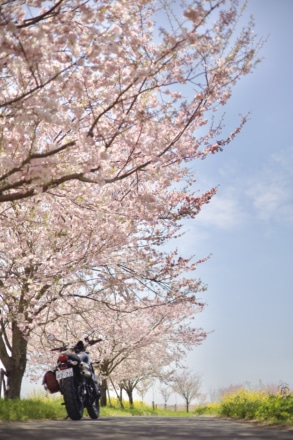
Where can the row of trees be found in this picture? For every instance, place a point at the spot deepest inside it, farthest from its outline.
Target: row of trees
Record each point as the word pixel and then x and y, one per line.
pixel 146 343
pixel 186 384
pixel 103 105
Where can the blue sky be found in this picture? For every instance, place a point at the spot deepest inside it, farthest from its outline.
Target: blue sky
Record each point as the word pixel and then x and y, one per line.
pixel 248 226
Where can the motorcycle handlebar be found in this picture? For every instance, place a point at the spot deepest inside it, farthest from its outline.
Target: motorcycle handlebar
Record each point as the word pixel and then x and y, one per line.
pixel 59 348
pixel 65 347
pixel 94 341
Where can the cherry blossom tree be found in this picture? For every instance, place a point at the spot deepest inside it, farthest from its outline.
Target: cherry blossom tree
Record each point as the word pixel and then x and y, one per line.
pixel 187 384
pixel 93 93
pixel 129 386
pixel 166 393
pixel 150 344
pixel 135 345
pixel 101 111
pixel 143 386
pixel 46 274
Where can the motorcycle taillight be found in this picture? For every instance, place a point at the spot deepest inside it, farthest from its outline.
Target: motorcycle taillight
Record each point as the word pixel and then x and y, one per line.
pixel 62 358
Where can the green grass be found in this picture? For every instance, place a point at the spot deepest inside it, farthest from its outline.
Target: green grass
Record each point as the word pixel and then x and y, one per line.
pixel 31 408
pixel 210 409
pixel 244 404
pixel 142 409
pixel 40 406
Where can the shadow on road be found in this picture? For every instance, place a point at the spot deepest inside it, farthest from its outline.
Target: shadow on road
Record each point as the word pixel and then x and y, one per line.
pixel 140 428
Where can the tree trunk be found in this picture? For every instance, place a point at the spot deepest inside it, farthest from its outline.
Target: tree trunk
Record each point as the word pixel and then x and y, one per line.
pixel 2 383
pixel 120 394
pixel 104 387
pixel 129 392
pixel 187 405
pixel 15 364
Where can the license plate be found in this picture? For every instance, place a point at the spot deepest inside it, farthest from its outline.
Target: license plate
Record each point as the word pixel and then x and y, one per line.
pixel 62 374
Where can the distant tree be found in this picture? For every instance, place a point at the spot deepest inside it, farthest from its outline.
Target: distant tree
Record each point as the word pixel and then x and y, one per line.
pixel 218 394
pixel 166 393
pixel 143 386
pixel 187 385
pixel 129 386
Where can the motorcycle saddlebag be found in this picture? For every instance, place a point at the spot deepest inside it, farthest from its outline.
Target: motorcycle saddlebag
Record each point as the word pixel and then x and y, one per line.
pixel 50 383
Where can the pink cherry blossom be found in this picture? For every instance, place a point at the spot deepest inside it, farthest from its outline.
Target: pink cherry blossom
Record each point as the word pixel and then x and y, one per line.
pixel 103 108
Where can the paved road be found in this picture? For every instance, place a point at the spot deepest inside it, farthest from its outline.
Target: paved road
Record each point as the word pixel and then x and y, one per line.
pixel 140 428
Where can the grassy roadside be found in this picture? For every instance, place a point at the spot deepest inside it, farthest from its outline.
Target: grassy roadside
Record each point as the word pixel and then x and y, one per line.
pixel 51 408
pixel 245 405
pixel 259 406
pixel 42 407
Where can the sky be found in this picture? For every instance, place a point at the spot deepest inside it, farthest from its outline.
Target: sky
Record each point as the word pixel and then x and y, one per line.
pixel 248 226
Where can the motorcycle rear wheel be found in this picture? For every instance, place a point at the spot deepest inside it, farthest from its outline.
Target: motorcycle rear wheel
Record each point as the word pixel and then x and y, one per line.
pixel 73 402
pixel 94 409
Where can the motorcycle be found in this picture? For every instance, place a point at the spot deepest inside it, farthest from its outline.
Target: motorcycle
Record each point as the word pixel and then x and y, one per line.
pixel 75 378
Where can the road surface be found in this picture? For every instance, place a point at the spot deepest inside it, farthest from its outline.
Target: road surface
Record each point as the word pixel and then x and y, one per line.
pixel 141 428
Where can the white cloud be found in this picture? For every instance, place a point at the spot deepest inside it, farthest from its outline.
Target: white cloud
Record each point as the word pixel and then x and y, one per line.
pixel 247 193
pixel 271 191
pixel 225 211
pixel 268 198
